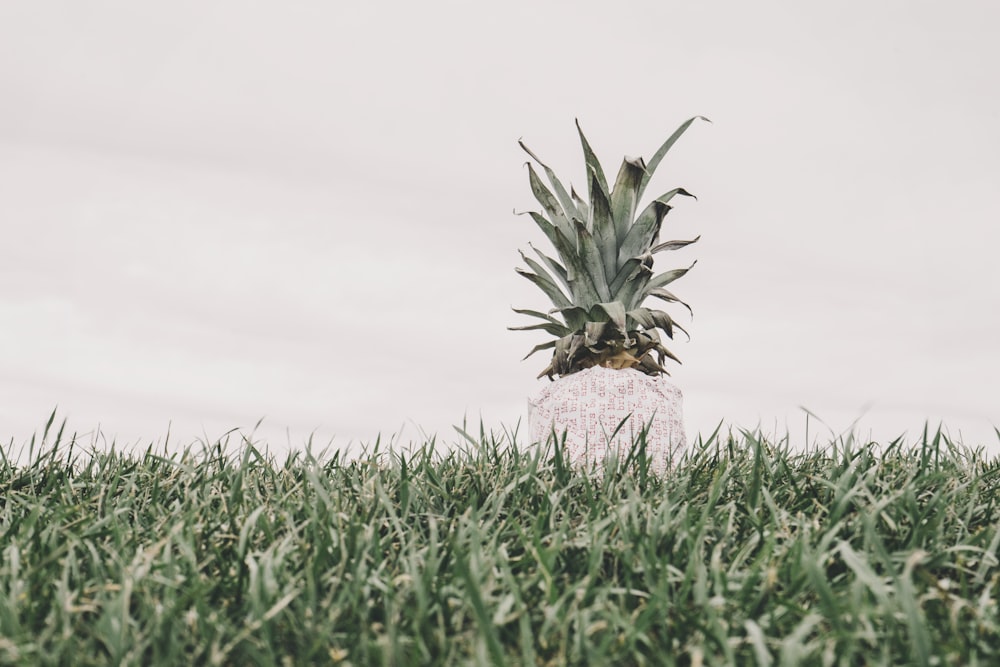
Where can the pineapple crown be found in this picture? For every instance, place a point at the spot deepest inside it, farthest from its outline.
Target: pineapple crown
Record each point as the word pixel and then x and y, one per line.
pixel 604 270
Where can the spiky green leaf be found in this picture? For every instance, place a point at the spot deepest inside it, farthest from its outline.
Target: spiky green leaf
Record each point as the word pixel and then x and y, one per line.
pixel 551 290
pixel 593 164
pixel 575 316
pixel 602 225
pixel 655 319
pixel 625 196
pixel 534 313
pixel 555 267
pixel 593 333
pixel 565 200
pixel 581 206
pixel 667 196
pixel 536 267
pixel 612 311
pixel 548 319
pixel 667 353
pixel 629 271
pixel 590 258
pixel 649 365
pixel 642 317
pixel 673 245
pixel 548 201
pixel 666 278
pixel 654 161
pixel 661 293
pixel 541 346
pixel 642 235
pixel 663 321
pixel 566 248
pixel 545 225
pixel 554 329
pixel 633 292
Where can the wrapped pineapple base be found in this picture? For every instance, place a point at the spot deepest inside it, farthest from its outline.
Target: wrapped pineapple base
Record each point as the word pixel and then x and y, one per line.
pixel 588 406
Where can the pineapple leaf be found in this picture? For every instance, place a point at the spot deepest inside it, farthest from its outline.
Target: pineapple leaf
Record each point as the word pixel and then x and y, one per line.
pixel 608 253
pixel 543 223
pixel 581 286
pixel 546 285
pixel 548 201
pixel 648 338
pixel 666 278
pixel 540 347
pixel 593 333
pixel 593 164
pixel 667 196
pixel 654 162
pixel 561 243
pixel 625 196
pixel 553 265
pixel 613 311
pixel 673 245
pixel 642 317
pixel 651 366
pixel 653 319
pixel 629 269
pixel 565 349
pixel 633 292
pixel 571 345
pixel 548 327
pixel 589 257
pixel 602 225
pixel 581 206
pixel 685 331
pixel 666 353
pixel 676 191
pixel 575 316
pixel 661 293
pixel 536 267
pixel 534 313
pixel 646 229
pixel 564 198
pixel 643 233
pixel 549 370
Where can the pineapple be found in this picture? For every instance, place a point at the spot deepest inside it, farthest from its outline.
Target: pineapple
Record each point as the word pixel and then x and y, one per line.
pixel 604 270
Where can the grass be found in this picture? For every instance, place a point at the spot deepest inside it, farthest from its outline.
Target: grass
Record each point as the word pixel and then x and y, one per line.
pixel 749 553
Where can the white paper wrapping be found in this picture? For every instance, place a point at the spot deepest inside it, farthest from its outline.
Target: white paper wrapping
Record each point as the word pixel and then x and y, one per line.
pixel 588 406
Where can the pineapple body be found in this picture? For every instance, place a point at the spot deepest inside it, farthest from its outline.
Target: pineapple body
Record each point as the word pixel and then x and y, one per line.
pixel 600 412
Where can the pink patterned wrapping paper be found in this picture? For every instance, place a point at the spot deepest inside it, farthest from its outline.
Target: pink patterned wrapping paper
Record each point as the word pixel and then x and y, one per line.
pixel 588 406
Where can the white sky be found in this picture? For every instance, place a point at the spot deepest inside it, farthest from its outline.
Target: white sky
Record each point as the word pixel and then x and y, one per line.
pixel 213 212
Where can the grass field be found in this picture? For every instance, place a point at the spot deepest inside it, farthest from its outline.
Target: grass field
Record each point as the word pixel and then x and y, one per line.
pixel 857 554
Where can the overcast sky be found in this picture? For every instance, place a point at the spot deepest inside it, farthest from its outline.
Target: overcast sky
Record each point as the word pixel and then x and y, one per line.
pixel 214 212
